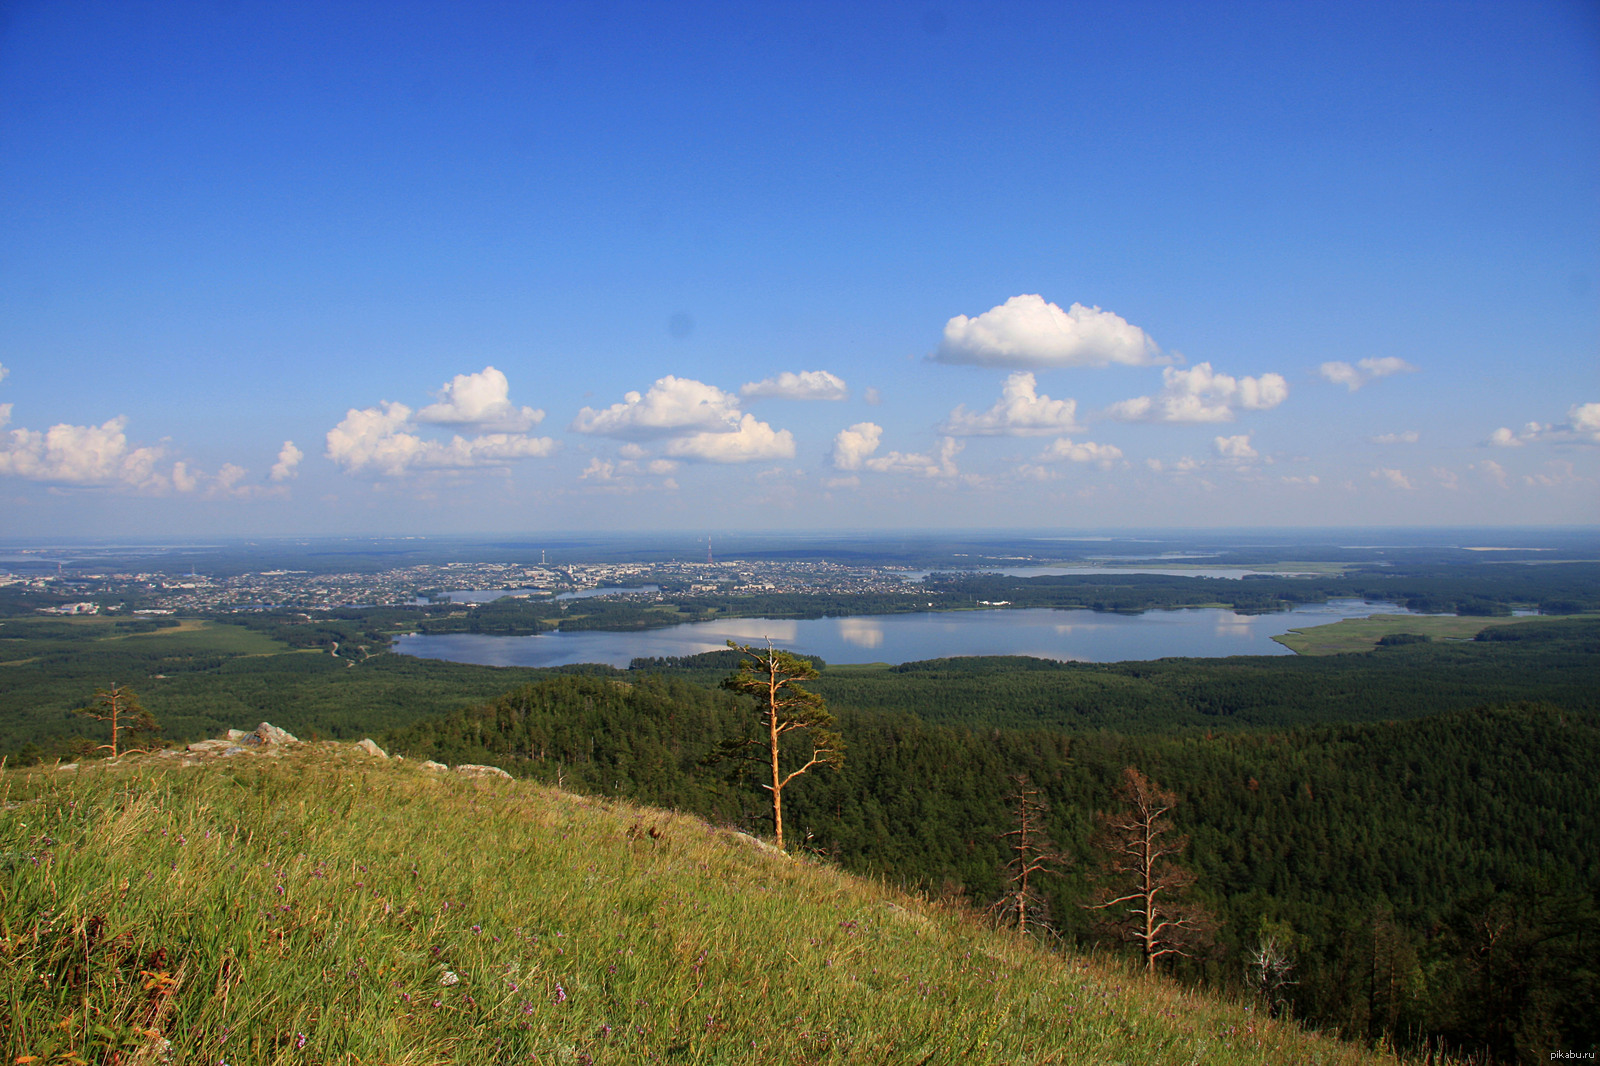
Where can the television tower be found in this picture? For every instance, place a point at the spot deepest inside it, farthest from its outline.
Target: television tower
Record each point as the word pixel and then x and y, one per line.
pixel 708 551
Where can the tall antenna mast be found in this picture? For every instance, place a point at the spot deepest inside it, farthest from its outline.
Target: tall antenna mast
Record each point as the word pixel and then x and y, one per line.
pixel 708 551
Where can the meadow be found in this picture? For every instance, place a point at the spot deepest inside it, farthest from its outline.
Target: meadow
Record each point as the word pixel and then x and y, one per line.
pixel 327 906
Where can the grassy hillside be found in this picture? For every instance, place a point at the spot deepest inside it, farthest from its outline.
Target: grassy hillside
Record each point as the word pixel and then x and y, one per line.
pixel 326 906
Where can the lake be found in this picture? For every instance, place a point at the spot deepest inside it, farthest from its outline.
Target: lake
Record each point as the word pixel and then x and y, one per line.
pixel 1232 573
pixel 1074 635
pixel 490 595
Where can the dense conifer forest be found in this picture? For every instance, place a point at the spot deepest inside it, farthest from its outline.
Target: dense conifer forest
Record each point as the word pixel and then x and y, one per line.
pixel 1409 832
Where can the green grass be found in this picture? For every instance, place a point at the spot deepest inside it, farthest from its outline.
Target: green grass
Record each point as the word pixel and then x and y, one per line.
pixel 326 907
pixel 198 637
pixel 1363 634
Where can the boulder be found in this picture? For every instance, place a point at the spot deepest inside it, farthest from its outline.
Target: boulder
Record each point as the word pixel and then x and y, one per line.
pixel 266 735
pixel 207 747
pixel 474 770
pixel 429 764
pixel 371 748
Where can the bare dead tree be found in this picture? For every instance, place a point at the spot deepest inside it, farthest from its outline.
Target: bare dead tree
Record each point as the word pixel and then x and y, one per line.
pixel 1033 857
pixel 1269 968
pixel 1142 885
pixel 782 708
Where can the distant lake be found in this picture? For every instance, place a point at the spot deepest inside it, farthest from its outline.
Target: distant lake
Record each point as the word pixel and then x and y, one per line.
pixel 1232 573
pixel 1072 635
pixel 490 595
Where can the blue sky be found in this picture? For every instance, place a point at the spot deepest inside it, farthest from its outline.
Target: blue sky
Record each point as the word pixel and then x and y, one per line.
pixel 424 268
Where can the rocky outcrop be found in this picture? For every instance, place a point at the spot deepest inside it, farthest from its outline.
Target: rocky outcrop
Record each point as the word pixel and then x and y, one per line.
pixel 475 770
pixel 267 735
pixel 268 739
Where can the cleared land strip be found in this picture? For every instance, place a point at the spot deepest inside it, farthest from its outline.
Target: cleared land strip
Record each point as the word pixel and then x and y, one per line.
pixel 1363 634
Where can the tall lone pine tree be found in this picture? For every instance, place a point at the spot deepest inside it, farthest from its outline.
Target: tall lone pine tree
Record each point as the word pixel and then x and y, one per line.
pixel 119 706
pixel 782 708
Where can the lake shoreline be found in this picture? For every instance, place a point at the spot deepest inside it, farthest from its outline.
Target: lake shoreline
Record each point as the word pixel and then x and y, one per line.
pixel 1064 634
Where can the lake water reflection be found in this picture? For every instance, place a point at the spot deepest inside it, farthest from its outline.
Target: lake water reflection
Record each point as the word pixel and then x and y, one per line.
pixel 1077 635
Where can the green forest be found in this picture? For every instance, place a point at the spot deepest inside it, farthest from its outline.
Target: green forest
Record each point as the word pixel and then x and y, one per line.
pixel 1415 828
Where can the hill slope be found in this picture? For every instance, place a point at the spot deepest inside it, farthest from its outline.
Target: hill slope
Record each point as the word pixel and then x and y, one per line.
pixel 327 906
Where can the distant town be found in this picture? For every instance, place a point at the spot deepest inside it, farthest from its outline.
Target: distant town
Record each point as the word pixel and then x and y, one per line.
pixel 80 592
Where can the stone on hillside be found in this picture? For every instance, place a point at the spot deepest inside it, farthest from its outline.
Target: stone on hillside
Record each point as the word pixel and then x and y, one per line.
pixel 429 764
pixel 474 770
pixel 236 734
pixel 266 735
pixel 67 766
pixel 369 746
pixel 206 747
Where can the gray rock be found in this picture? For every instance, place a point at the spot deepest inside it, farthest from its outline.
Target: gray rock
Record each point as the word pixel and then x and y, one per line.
pixel 236 734
pixel 371 748
pixel 429 764
pixel 67 766
pixel 266 734
pixel 206 747
pixel 474 770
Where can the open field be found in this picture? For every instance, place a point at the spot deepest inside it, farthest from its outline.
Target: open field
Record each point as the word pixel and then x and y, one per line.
pixel 198 636
pixel 329 906
pixel 1363 634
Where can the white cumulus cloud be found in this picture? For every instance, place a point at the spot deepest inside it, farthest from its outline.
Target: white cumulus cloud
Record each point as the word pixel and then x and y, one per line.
pixel 672 407
pixel 1584 419
pixel 81 455
pixel 1063 449
pixel 1200 394
pixel 1026 332
pixel 1236 448
pixel 1392 477
pixel 1020 412
pixel 288 464
pixel 941 464
pixel 1504 437
pixel 806 385
pixel 852 446
pixel 383 439
pixel 854 449
pixel 1365 370
pixel 1491 470
pixel 483 400
pixel 1581 427
pixel 751 441
pixel 696 421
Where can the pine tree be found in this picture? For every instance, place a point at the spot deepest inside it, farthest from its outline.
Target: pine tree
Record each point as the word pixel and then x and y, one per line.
pixel 782 708
pixel 1033 856
pixel 1142 885
pixel 120 706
